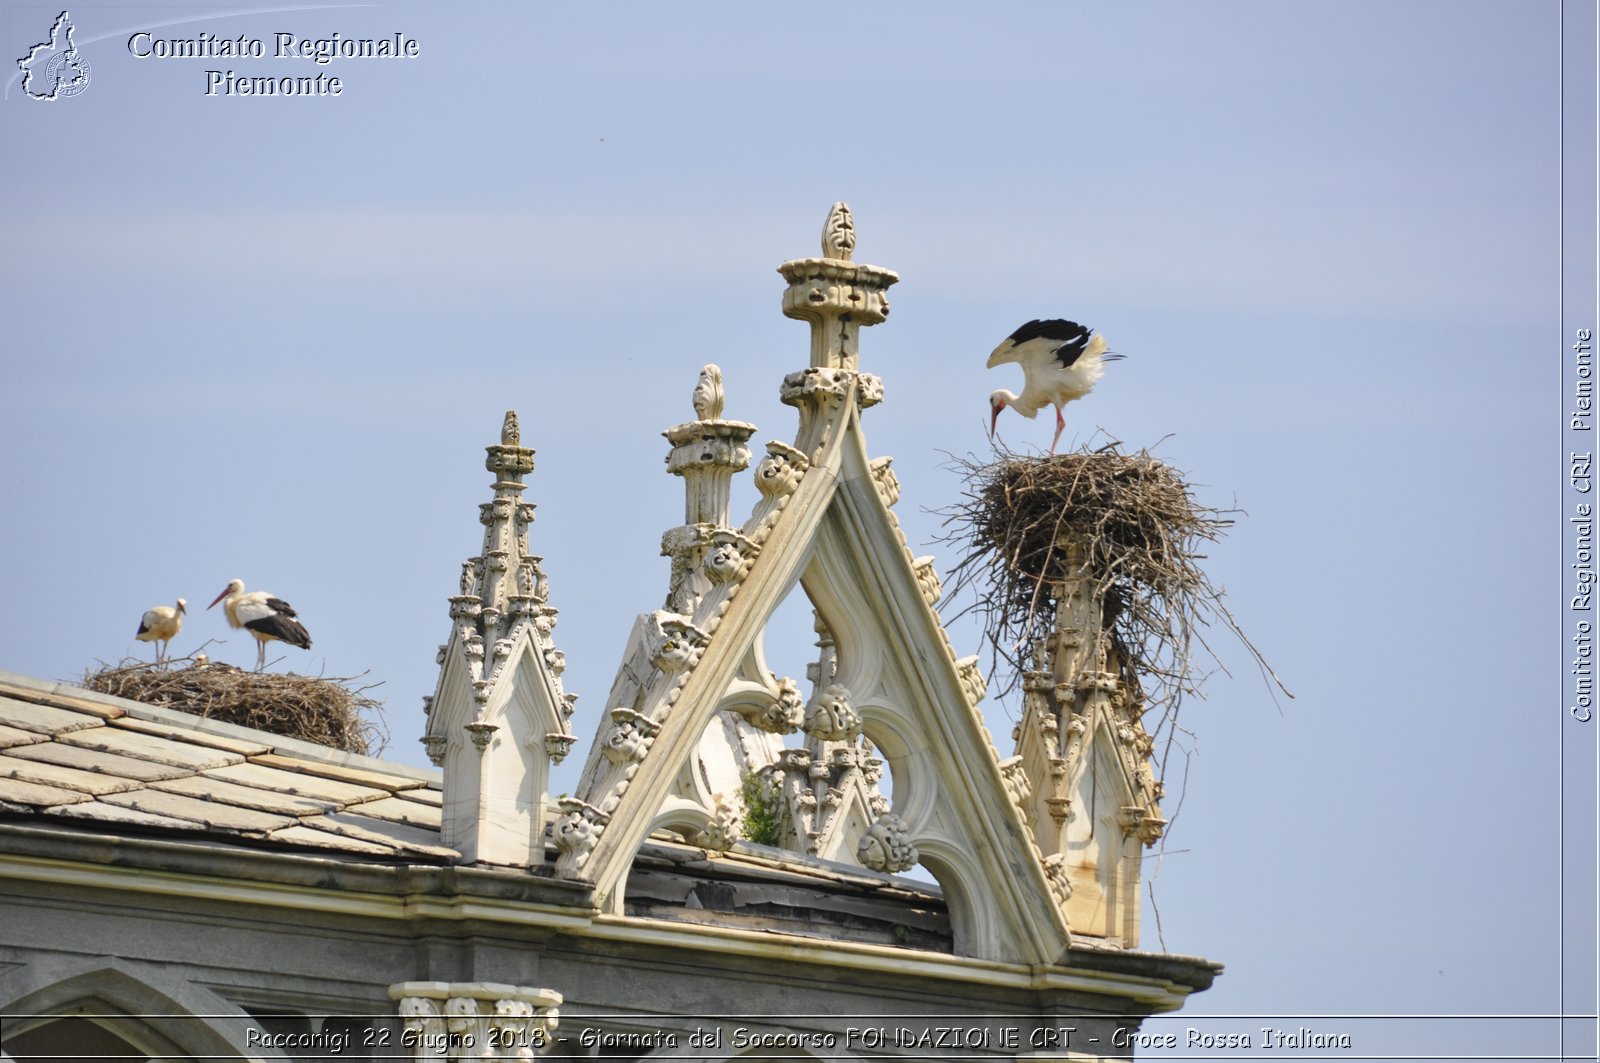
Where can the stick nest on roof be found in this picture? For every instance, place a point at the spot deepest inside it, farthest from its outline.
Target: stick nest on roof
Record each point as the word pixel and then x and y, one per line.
pixel 1130 521
pixel 328 711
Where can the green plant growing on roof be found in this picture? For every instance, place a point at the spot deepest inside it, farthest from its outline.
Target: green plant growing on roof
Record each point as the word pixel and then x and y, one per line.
pixel 763 810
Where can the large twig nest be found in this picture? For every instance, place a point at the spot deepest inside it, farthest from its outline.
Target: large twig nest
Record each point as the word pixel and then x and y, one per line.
pixel 328 711
pixel 1126 521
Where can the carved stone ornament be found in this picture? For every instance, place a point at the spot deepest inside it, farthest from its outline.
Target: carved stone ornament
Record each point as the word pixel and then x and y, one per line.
pixel 886 846
pixel 816 381
pixel 822 288
pixel 789 712
pixel 513 1036
pixel 729 557
pixel 839 234
pixel 707 398
pixel 884 479
pixel 510 459
pixel 1059 878
pixel 629 737
pixel 1015 776
pixel 928 580
pixel 1151 828
pixel 481 734
pixel 870 387
pixel 780 471
pixel 555 660
pixel 544 621
pixel 972 681
pixel 722 829
pixel 709 445
pixel 461 1021
pixel 436 746
pixel 830 716
pixel 578 828
pixel 676 644
pixel 557 745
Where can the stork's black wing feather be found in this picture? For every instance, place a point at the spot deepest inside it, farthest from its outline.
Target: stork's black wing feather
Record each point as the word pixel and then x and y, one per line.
pixel 284 629
pixel 281 607
pixel 1054 329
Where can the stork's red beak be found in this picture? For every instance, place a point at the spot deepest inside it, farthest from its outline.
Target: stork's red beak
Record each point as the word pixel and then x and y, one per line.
pixel 994 417
pixel 219 597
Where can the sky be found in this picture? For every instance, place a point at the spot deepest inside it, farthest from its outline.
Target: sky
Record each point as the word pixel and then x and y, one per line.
pixel 268 338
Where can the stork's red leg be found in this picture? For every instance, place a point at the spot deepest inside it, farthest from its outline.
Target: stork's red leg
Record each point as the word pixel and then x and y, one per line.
pixel 1061 422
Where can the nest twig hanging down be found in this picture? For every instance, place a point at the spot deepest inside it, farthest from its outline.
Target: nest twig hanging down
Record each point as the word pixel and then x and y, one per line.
pixel 1140 532
pixel 328 710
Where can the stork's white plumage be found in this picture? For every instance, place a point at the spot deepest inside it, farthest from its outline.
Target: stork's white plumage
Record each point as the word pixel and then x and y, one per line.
pixel 1061 361
pixel 161 625
pixel 266 617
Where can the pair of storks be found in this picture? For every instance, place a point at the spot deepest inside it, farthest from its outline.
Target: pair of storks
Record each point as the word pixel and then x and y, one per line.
pixel 266 616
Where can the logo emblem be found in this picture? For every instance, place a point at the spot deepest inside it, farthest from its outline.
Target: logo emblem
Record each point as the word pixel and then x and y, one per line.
pixel 55 69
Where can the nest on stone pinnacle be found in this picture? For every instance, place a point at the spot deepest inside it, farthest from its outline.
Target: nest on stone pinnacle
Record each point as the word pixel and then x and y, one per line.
pixel 329 711
pixel 1025 524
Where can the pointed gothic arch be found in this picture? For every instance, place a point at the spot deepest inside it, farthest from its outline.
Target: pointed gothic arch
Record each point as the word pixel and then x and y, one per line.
pixel 120 1007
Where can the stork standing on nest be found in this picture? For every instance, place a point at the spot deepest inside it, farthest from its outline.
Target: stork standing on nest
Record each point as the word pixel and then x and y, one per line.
pixel 161 625
pixel 1061 361
pixel 266 617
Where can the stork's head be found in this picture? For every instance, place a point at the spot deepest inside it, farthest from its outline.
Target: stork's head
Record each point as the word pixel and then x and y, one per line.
pixel 997 402
pixel 183 606
pixel 235 586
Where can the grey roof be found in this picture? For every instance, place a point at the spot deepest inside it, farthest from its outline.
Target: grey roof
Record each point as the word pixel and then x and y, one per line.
pixel 70 754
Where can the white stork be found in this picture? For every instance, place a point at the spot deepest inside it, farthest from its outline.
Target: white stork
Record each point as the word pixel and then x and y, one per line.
pixel 264 616
pixel 161 625
pixel 1061 360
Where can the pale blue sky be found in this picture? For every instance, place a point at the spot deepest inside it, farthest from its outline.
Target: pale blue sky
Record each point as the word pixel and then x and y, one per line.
pixel 268 338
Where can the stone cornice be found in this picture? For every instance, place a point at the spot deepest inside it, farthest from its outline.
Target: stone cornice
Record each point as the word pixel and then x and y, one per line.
pixel 156 867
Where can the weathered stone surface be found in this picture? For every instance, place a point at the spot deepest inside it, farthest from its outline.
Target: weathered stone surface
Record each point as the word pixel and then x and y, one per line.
pixel 46 774
pixel 101 812
pixel 149 747
pixel 205 788
pixel 97 761
pixel 43 719
pixel 16 736
pixel 382 832
pixel 207 813
pixel 411 813
pixel 337 772
pixel 258 775
pixel 193 737
pixel 300 834
pixel 28 793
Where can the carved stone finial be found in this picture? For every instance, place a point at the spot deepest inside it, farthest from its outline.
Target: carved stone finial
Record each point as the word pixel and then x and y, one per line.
pixel 708 394
pixel 836 294
pixel 510 434
pixel 839 234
